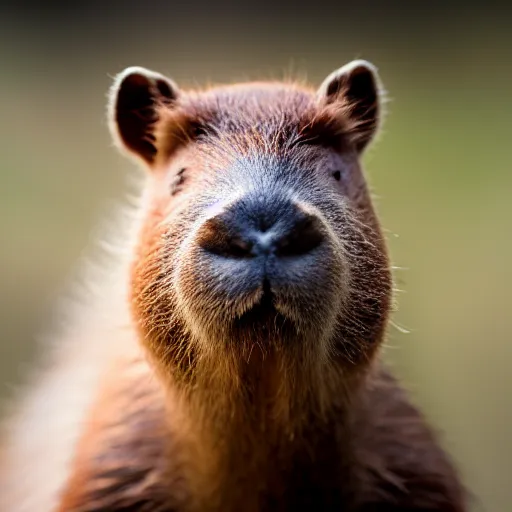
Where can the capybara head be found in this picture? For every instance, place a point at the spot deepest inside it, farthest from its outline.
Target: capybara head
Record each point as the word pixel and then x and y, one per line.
pixel 258 230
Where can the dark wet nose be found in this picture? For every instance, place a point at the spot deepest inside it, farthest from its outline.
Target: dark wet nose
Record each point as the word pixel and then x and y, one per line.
pixel 248 229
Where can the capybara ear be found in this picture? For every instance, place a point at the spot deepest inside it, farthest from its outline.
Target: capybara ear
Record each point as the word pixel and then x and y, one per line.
pixel 132 110
pixel 356 89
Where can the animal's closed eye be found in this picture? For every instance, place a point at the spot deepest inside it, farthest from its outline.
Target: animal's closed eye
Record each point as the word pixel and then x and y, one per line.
pixel 199 130
pixel 178 181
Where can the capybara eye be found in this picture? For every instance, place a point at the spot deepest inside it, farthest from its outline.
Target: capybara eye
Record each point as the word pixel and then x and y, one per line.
pixel 199 130
pixel 177 182
pixel 336 175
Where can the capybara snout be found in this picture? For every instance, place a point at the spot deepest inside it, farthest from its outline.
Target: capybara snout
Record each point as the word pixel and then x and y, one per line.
pixel 247 229
pixel 265 233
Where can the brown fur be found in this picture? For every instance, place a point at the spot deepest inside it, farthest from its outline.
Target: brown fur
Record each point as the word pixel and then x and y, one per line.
pixel 211 417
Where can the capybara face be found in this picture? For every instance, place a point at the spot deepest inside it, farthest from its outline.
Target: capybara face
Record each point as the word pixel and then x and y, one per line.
pixel 258 227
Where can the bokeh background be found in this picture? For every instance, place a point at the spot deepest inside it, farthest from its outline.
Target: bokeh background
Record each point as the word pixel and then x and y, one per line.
pixel 441 171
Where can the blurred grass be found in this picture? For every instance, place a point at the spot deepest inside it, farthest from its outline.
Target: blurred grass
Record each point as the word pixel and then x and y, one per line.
pixel 441 173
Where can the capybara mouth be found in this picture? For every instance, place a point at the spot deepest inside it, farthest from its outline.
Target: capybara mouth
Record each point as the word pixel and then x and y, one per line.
pixel 262 310
pixel 263 315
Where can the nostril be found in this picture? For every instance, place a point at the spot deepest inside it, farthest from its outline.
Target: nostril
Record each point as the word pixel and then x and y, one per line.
pixel 306 235
pixel 215 237
pixel 237 248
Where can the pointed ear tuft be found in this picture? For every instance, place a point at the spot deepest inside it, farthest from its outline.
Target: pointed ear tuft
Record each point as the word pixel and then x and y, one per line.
pixel 356 89
pixel 132 111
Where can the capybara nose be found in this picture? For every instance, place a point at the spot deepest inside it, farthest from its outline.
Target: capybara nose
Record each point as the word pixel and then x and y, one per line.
pixel 250 228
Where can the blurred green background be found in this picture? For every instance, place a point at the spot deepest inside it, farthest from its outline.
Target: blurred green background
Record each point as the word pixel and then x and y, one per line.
pixel 441 172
